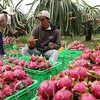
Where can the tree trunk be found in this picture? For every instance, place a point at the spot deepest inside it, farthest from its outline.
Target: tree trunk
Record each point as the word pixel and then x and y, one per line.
pixel 89 35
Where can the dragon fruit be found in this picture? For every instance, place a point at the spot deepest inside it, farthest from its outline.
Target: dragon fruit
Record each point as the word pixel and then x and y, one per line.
pixel 11 59
pixel 97 60
pixel 6 68
pixel 78 73
pixel 42 65
pixel 1 83
pixel 87 97
pixel 8 76
pixel 47 89
pixel 31 40
pixel 8 90
pixel 63 73
pixel 80 87
pixel 20 74
pixel 34 58
pixel 95 88
pixel 21 62
pixel 16 62
pixel 64 82
pixel 2 95
pixel 88 51
pixel 82 63
pixel 85 56
pixel 40 97
pixel 18 67
pixel 33 65
pixel 62 95
pixel 28 80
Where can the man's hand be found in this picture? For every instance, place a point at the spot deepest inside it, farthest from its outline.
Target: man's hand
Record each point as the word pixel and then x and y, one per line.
pixel 51 45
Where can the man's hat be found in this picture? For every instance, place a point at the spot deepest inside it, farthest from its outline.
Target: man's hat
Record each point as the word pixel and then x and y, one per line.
pixel 9 11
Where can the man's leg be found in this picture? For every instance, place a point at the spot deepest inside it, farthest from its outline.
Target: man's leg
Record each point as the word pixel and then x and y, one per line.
pixel 27 52
pixel 52 55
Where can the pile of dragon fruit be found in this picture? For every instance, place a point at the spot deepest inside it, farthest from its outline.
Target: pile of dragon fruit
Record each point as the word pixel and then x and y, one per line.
pixel 81 80
pixel 35 63
pixel 8 40
pixel 12 78
pixel 76 45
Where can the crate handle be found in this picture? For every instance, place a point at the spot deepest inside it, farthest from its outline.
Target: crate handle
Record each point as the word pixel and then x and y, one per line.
pixel 73 49
pixel 54 64
pixel 10 55
pixel 20 82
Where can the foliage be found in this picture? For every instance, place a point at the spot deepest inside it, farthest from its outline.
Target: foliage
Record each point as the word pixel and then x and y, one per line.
pixel 66 16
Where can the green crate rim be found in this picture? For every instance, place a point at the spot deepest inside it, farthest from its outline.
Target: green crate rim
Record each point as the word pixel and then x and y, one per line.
pixel 23 91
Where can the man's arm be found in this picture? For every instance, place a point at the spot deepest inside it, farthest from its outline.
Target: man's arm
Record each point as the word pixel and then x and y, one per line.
pixel 57 43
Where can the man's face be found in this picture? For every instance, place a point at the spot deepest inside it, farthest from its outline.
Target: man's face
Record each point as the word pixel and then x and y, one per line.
pixel 44 21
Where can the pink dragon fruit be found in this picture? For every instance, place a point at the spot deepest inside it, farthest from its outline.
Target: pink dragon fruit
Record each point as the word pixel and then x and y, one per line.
pixel 62 95
pixel 88 50
pixel 95 88
pixel 18 67
pixel 6 68
pixel 29 80
pixel 1 83
pixel 2 95
pixel 95 67
pixel 97 60
pixel 47 89
pixel 86 56
pixel 42 65
pixel 87 97
pixel 40 97
pixel 33 65
pixel 80 87
pixel 82 63
pixel 11 59
pixel 63 73
pixel 21 62
pixel 20 74
pixel 78 73
pixel 8 90
pixel 27 64
pixel 16 62
pixel 64 82
pixel 8 76
pixel 34 58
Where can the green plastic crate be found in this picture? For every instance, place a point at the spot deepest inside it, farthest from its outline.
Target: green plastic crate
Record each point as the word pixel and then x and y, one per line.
pixel 44 74
pixel 8 45
pixel 68 55
pixel 34 98
pixel 26 58
pixel 25 94
pixel 15 47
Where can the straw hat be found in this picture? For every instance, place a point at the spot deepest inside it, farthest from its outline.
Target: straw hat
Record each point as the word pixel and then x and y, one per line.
pixel 9 11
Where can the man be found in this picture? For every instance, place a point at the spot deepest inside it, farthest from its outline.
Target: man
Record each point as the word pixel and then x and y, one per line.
pixel 48 38
pixel 5 21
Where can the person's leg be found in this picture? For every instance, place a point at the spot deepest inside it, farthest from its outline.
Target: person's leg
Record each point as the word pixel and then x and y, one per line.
pixel 36 52
pixel 2 52
pixel 52 55
pixel 27 52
